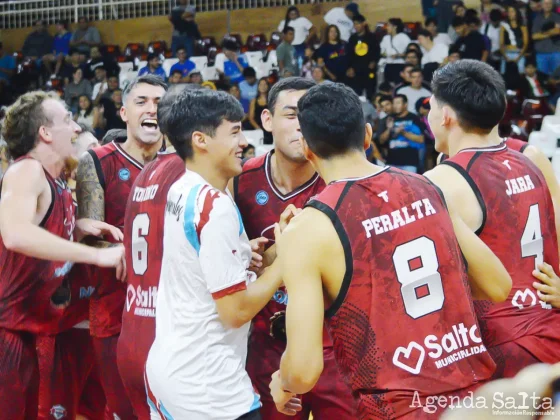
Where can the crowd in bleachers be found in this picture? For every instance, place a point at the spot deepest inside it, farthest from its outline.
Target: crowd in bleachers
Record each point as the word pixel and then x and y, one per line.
pixel 390 64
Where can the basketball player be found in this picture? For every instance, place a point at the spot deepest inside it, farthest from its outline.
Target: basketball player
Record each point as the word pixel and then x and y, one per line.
pixel 394 288
pixel 503 197
pixel 266 187
pixel 104 180
pixel 37 226
pixel 206 295
pixel 144 248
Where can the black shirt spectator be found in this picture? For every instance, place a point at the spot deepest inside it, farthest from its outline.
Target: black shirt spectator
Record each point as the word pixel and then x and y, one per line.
pixel 471 43
pixel 333 53
pixel 97 60
pixel 68 69
pixel 363 55
pixel 111 111
pixel 38 43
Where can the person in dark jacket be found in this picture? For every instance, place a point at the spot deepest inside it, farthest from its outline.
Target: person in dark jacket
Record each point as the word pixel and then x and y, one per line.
pixel 363 53
pixel 185 29
pixel 38 43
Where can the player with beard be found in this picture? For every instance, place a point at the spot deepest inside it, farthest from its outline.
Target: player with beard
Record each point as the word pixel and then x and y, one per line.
pixel 503 197
pixel 37 251
pixel 103 183
pixel 267 186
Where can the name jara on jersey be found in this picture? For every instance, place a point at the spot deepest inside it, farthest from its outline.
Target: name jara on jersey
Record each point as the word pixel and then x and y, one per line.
pixel 519 185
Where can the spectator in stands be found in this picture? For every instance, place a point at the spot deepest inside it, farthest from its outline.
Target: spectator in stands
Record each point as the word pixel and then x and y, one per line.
pixel 385 125
pixel 514 40
pixel 85 111
pixel 112 112
pixel 185 29
pixel 318 75
pixel 235 63
pixel 309 62
pixel 38 43
pixel 73 64
pixel 459 10
pixel 385 106
pixel 196 77
pixel 342 17
pixel 431 25
pixel 153 67
pixel 428 154
pixel 404 76
pixel 363 56
pixel 546 34
pixel 486 8
pixel 7 68
pixel 60 48
pixel 405 137
pixel 76 88
pixel 428 8
pixel 533 82
pixel 97 59
pixel 258 105
pixel 415 90
pixel 454 55
pixel 445 11
pixel 433 53
pixel 101 84
pixel 248 87
pixel 393 48
pixel 235 91
pixel 413 57
pixel 303 29
pixel 112 85
pixel 175 77
pixel 331 55
pixel 493 30
pixel 286 54
pixel 184 65
pixel 470 42
pixel 385 88
pixel 85 37
pixel 248 153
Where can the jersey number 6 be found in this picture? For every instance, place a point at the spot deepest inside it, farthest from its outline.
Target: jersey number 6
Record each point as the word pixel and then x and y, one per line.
pixel 140 229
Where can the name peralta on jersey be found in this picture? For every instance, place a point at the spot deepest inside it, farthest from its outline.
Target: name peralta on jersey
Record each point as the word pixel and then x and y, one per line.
pixel 403 321
pixel 518 226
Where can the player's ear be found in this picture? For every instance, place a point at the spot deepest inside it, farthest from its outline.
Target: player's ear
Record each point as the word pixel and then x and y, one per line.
pixel 447 114
pixel 266 118
pixel 367 137
pixel 45 134
pixel 124 117
pixel 199 141
pixel 307 153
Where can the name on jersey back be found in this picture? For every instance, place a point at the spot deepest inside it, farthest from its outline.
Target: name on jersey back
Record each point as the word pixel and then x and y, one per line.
pixel 145 194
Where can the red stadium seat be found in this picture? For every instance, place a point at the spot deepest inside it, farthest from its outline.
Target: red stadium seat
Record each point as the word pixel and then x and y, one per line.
pixel 237 38
pixel 113 51
pixel 202 46
pixel 380 30
pixel 412 29
pixel 133 50
pixel 157 47
pixel 275 39
pixel 256 42
pixel 212 53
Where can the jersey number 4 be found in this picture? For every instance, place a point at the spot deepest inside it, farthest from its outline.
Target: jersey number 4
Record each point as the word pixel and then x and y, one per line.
pixel 532 241
pixel 140 229
pixel 416 265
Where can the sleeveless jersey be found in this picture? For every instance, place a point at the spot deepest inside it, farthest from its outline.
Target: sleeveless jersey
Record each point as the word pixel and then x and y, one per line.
pixel 403 320
pixel 260 204
pixel 511 143
pixel 116 171
pixel 27 283
pixel 143 240
pixel 518 226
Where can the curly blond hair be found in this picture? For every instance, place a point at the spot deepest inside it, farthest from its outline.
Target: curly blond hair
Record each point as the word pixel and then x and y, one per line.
pixel 23 119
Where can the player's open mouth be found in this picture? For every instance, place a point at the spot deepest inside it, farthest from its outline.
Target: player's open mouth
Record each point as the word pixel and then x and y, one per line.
pixel 239 155
pixel 150 124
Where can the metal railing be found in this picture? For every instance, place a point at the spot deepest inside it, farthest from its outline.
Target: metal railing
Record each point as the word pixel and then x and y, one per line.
pixel 24 13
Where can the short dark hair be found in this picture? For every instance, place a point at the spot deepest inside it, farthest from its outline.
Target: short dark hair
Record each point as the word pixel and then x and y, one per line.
pixel 249 72
pixel 332 120
pixel 398 23
pixel 175 72
pixel 117 135
pixel 151 56
pixel 385 98
pixel 86 129
pixel 496 15
pixel 474 90
pixel 289 83
pixel 416 70
pixel 430 20
pixel 457 21
pixel 426 33
pixel 385 87
pixel 454 49
pixel 401 96
pixel 148 79
pixel 359 18
pixel 407 65
pixel 198 110
pixel 288 29
pixel 473 20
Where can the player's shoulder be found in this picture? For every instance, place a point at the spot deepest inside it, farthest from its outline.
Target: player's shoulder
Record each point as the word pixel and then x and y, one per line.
pixel 24 171
pixel 103 151
pixel 516 144
pixel 254 164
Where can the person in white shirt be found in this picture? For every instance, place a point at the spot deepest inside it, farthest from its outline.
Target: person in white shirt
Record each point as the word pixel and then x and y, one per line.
pixel 207 297
pixel 342 18
pixel 393 48
pixel 431 25
pixel 415 91
pixel 493 31
pixel 303 29
pixel 432 52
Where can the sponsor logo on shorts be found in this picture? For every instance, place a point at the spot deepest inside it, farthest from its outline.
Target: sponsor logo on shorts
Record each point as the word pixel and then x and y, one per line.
pixel 124 174
pixel 58 412
pixel 144 300
pixel 460 343
pixel 261 197
pixel 86 292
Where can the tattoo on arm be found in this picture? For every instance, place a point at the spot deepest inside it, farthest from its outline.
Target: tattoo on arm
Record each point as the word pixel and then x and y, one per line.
pixel 97 242
pixel 89 192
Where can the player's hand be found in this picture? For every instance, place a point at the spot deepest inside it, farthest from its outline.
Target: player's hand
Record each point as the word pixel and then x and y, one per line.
pixel 286 402
pixel 257 249
pixel 288 214
pixel 110 257
pixel 549 288
pixel 89 227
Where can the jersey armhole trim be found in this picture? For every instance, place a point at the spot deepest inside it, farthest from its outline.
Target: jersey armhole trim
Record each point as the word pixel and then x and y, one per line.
pixel 230 290
pixel 98 169
pixel 474 188
pixel 51 206
pixel 331 214
pixel 522 150
pixel 235 187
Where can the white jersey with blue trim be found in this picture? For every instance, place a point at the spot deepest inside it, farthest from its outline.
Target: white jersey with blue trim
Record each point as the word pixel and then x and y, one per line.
pixel 196 366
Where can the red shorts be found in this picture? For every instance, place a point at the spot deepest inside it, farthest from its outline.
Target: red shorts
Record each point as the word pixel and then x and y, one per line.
pixel 330 399
pixel 510 358
pixel 65 362
pixel 92 401
pixel 118 403
pixel 19 376
pixel 131 359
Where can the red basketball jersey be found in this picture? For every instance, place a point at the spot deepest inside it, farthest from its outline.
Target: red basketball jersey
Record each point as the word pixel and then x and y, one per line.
pixel 26 283
pixel 518 226
pixel 404 320
pixel 516 144
pixel 116 171
pixel 143 240
pixel 260 204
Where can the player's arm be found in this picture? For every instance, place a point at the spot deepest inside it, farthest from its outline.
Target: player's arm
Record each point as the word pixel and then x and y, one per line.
pixel 542 162
pixel 22 187
pixel 225 273
pixel 303 249
pixel 488 277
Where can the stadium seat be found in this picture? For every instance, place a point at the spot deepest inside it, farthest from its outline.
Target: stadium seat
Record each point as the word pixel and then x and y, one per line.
pixel 255 137
pixel 157 47
pixel 200 62
pixel 545 141
pixel 113 51
pixel 380 30
pixel 126 67
pixel 133 50
pixel 263 149
pixel 219 62
pixel 275 39
pixel 168 63
pixel 558 107
pixel 212 54
pixel 237 38
pixel 412 29
pixel 256 42
pixel 254 58
pixel 202 46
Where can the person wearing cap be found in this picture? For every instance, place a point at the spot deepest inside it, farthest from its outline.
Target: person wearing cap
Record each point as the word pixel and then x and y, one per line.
pixel 153 67
pixel 342 18
pixel 184 65
pixel 185 29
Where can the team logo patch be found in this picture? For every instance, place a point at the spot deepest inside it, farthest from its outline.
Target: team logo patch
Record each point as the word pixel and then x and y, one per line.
pixel 58 412
pixel 59 190
pixel 261 198
pixel 124 174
